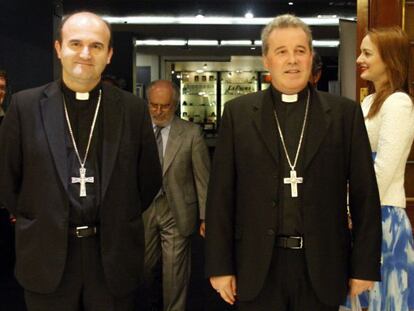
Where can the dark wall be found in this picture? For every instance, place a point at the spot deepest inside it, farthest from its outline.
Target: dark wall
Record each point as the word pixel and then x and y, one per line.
pixel 26 45
pixel 121 65
pixel 26 38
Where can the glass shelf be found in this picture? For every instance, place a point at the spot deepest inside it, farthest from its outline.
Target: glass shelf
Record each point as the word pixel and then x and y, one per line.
pixel 235 84
pixel 199 98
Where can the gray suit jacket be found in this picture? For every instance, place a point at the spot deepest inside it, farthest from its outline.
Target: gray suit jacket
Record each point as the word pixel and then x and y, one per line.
pixel 185 174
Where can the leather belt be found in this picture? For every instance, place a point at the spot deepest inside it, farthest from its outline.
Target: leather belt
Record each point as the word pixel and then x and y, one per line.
pixel 83 231
pixel 292 242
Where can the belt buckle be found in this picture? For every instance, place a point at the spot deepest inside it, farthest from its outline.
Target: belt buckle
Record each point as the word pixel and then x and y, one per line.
pixel 78 231
pixel 300 242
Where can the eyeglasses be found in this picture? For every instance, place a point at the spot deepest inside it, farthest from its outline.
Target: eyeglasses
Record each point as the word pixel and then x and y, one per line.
pixel 159 106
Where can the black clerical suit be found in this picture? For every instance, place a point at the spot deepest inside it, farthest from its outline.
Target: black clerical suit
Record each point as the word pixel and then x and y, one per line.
pixel 246 212
pixel 37 164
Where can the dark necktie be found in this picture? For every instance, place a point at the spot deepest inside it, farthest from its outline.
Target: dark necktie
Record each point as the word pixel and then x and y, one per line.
pixel 158 137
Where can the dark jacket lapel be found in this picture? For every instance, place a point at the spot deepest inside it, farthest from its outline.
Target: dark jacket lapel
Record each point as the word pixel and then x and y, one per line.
pixel 319 122
pixel 113 113
pixel 53 116
pixel 265 123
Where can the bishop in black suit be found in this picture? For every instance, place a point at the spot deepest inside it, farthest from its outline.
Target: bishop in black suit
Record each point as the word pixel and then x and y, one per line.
pixel 79 234
pixel 277 235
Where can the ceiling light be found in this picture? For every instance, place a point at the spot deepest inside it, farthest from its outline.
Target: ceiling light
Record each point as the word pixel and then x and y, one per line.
pixel 327 16
pixel 236 42
pixel 205 66
pixel 161 42
pixel 202 42
pixel 290 3
pixel 256 43
pixel 249 15
pixel 199 70
pixel 170 20
pixel 325 43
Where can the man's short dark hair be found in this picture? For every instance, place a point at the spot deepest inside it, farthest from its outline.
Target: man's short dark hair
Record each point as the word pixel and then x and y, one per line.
pixel 66 17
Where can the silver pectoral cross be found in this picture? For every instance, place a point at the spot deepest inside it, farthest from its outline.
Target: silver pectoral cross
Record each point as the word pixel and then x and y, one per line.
pixel 82 180
pixel 293 181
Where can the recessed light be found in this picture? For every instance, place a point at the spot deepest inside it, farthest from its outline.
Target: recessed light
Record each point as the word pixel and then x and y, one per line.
pixel 249 15
pixel 290 3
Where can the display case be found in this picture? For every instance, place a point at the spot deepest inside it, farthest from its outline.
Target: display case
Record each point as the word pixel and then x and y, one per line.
pixel 199 98
pixel 235 84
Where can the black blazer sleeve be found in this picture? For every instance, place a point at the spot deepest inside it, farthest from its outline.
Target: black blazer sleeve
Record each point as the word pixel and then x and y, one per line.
pixel 10 158
pixel 220 207
pixel 364 205
pixel 149 166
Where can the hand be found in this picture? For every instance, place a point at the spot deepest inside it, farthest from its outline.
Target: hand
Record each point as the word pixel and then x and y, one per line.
pixel 349 222
pixel 203 229
pixel 356 286
pixel 12 219
pixel 225 285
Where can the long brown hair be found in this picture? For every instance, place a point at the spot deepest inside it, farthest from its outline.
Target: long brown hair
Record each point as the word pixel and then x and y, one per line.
pixel 394 49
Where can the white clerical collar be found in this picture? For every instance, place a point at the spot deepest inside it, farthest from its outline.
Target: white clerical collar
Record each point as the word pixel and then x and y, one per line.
pixel 289 98
pixel 82 96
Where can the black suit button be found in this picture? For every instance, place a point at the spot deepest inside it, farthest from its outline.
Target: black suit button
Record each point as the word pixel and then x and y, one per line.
pixel 270 232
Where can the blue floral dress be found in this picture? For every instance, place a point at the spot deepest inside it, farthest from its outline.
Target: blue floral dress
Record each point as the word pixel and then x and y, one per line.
pixel 395 292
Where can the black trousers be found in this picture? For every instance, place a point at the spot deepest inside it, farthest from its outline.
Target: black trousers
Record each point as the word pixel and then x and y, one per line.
pixel 83 286
pixel 287 287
